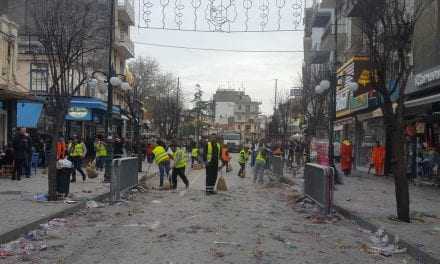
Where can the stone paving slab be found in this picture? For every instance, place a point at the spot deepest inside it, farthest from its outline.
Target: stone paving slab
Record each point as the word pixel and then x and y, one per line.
pixel 18 208
pixel 373 199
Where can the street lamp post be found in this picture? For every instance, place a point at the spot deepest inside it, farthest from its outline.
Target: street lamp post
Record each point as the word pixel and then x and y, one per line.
pixel 321 89
pixel 113 81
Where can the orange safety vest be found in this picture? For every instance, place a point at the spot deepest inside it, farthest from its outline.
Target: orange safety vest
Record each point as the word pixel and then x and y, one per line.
pixel 225 154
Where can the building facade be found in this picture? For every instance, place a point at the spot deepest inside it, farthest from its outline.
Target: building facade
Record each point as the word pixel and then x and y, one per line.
pixel 235 111
pixel 86 116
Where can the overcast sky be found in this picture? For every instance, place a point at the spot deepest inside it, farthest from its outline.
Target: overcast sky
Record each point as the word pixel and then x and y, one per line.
pixel 255 72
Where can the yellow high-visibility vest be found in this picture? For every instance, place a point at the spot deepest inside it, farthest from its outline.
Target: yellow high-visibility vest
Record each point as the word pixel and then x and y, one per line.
pixel 209 154
pixel 160 155
pixel 77 150
pixel 179 158
pixel 101 150
pixel 195 152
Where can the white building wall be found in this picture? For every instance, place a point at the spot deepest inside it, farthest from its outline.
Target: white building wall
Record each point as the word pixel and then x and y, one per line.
pixel 223 111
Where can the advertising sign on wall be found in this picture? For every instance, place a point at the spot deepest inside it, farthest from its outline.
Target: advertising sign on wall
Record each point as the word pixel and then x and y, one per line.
pixel 79 114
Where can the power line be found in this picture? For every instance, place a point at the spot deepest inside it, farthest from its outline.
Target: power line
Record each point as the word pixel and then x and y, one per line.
pixel 223 31
pixel 215 49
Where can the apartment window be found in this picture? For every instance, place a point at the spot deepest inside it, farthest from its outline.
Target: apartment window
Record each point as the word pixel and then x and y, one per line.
pixel 39 77
pixel 248 108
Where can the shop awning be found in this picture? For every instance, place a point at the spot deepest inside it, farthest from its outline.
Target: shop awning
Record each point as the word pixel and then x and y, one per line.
pixel 7 94
pixel 28 114
pixel 92 103
pixel 422 101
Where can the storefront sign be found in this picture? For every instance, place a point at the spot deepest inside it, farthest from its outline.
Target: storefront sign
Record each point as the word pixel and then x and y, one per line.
pixel 420 128
pixel 342 100
pixel 359 102
pixel 428 76
pixel 79 114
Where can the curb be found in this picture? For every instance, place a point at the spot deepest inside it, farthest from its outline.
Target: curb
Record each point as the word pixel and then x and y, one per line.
pixel 18 232
pixel 419 255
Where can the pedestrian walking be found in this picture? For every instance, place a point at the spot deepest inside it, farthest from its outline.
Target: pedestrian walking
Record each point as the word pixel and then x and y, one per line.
pixel 378 158
pixel 299 153
pixel 254 149
pixel 226 158
pixel 149 153
pixel 101 153
pixel 61 148
pixel 180 160
pixel 346 156
pixel 118 148
pixel 242 160
pixel 22 146
pixel 77 152
pixel 211 157
pixel 260 165
pixel 194 156
pixel 162 160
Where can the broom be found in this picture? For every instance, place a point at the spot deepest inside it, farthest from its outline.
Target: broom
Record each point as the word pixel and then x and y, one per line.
pixel 221 184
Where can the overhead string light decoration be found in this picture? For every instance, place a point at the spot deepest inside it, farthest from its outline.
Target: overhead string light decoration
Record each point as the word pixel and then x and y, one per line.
pixel 222 15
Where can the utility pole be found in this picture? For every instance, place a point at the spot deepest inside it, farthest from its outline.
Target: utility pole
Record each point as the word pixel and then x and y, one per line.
pixel 178 108
pixel 332 108
pixel 108 124
pixel 276 95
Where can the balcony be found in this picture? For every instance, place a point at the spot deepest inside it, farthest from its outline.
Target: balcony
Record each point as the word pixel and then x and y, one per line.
pixel 126 11
pixel 124 44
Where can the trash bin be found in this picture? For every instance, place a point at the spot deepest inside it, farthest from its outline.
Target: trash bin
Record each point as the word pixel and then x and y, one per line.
pixel 63 180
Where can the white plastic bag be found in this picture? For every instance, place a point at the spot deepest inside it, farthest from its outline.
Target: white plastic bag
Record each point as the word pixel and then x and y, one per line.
pixel 64 164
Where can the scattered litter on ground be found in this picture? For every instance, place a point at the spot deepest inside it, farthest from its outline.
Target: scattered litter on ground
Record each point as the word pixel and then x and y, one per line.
pixel 381 245
pixel 290 245
pixel 363 230
pixel 36 235
pixel 5 253
pixel 93 204
pixel 70 202
pixel 324 219
pixel 216 253
pixel 226 243
pixel 155 225
pixel 41 197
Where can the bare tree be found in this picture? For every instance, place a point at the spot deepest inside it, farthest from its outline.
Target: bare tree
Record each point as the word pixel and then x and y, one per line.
pixel 63 29
pixel 388 26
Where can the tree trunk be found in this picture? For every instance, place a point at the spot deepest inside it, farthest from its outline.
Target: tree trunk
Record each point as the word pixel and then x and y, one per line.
pixel 54 133
pixel 388 148
pixel 400 178
pixel 393 123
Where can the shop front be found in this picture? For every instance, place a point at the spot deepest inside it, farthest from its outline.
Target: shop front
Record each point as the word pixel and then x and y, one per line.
pixel 423 125
pixel 86 118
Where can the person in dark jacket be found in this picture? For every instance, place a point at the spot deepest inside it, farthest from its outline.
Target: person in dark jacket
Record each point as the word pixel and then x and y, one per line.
pixel 118 149
pixel 211 157
pixel 22 150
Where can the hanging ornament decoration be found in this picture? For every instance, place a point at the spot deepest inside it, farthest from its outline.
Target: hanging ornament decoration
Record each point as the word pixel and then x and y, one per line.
pixel 222 15
pixel 196 5
pixel 280 5
pixel 178 13
pixel 297 13
pixel 147 5
pixel 164 4
pixel 247 5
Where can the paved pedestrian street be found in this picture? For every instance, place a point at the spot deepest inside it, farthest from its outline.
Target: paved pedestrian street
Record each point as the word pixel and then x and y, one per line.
pixel 247 224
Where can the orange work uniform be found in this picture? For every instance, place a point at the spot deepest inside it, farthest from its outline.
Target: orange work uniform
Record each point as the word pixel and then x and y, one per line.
pixel 378 158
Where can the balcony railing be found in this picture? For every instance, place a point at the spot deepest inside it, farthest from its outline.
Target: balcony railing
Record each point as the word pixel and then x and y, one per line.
pixel 123 40
pixel 126 11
